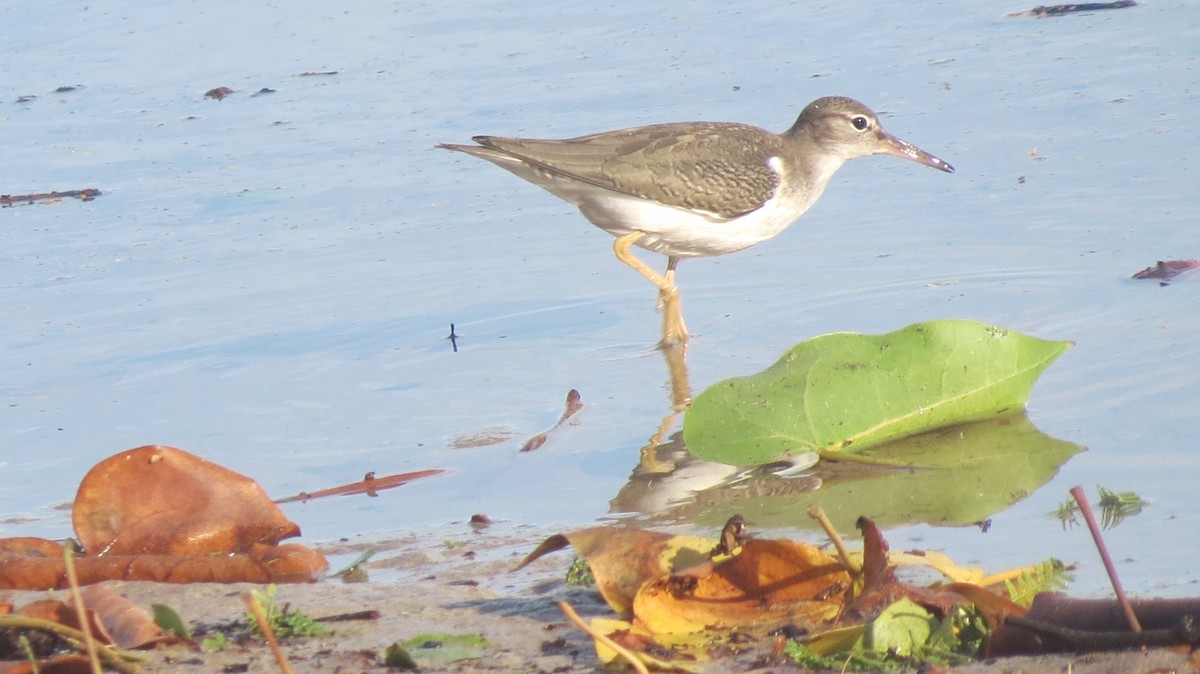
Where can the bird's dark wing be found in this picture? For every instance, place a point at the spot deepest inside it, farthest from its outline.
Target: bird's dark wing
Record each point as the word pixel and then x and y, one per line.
pixel 717 169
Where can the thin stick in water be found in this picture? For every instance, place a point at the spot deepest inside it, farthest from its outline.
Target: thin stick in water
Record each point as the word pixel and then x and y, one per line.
pixel 1086 509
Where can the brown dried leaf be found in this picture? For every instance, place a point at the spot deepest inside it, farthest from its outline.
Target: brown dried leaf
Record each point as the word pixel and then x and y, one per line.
pixel 290 563
pixel 164 501
pixel 127 624
pixel 30 547
pixel 51 610
pixel 875 556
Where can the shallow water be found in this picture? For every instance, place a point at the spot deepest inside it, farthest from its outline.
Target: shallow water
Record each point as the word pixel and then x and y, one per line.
pixel 268 280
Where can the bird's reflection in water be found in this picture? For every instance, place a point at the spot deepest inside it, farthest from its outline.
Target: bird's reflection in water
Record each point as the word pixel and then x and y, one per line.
pixel 669 479
pixel 674 485
pixel 681 397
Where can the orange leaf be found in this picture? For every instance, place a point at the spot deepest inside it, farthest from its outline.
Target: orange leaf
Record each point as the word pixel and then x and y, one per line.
pixel 51 610
pixel 164 501
pixel 158 513
pixel 30 547
pixel 769 581
pixel 290 563
pixel 31 564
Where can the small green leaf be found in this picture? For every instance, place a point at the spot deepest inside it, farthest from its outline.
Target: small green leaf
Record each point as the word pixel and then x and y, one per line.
pixel 447 647
pixel 398 657
pixel 168 619
pixel 847 392
pixel 285 621
pixel 217 641
pixel 580 574
pixel 1050 575
pixel 902 630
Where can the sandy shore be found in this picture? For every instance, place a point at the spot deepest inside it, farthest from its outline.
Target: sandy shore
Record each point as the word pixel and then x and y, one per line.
pixel 469 588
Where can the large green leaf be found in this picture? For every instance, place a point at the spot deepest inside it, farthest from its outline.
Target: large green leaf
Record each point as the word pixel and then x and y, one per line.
pixel 848 392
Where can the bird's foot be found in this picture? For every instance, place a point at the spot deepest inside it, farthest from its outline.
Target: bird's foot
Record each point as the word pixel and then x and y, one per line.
pixel 673 328
pixel 672 340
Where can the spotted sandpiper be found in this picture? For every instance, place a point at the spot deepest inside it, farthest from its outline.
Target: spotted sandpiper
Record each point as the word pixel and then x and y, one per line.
pixel 698 188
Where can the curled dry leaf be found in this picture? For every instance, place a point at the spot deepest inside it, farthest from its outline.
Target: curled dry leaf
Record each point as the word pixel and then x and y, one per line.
pixel 164 501
pixel 124 623
pixel 160 514
pixel 771 580
pixel 29 547
pixel 875 569
pixel 51 610
pixel 290 563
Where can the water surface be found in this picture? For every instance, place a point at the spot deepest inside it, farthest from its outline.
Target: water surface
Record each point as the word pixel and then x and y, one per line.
pixel 267 280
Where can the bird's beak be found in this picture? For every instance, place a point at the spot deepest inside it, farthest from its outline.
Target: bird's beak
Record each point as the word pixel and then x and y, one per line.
pixel 905 150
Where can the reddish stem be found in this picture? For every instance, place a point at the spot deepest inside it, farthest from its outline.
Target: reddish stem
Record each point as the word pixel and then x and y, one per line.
pixel 1086 509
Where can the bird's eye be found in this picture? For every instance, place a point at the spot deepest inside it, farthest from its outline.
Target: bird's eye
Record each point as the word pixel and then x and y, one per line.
pixel 860 122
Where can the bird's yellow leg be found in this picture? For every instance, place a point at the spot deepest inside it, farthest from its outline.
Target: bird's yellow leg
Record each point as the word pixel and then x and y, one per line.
pixel 674 331
pixel 621 247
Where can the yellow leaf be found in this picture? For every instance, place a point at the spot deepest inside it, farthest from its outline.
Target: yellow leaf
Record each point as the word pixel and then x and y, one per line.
pixel 623 559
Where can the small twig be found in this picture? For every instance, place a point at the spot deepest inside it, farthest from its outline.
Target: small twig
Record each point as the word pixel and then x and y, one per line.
pixel 1086 510
pixel 85 625
pixel 1084 641
pixel 632 659
pixel 264 626
pixel 574 404
pixel 818 514
pixel 29 654
pixel 369 614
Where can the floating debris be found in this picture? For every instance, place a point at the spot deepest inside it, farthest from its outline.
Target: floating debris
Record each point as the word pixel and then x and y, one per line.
pixel 218 94
pixel 8 201
pixel 1168 269
pixel 1042 11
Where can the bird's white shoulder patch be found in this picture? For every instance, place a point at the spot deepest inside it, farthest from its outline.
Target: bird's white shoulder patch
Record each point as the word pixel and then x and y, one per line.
pixel 776 165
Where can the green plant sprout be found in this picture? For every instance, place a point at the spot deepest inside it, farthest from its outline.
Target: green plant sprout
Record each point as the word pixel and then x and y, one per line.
pixel 285 621
pixel 1047 576
pixel 1114 508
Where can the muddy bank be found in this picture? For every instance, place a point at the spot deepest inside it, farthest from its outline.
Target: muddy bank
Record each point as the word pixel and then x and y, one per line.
pixel 467 587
